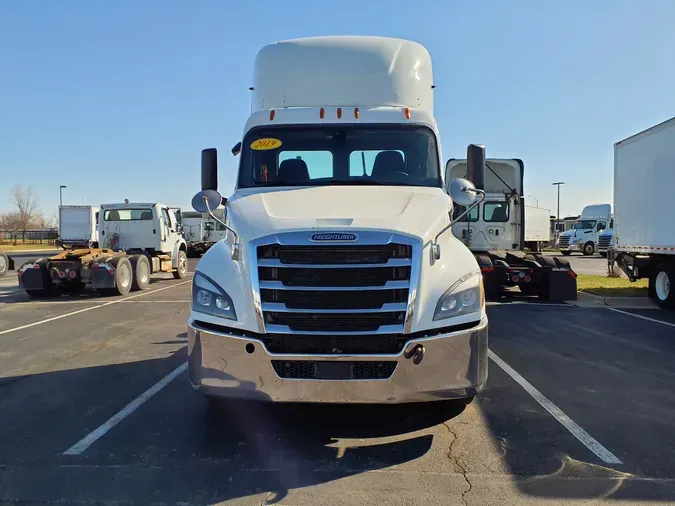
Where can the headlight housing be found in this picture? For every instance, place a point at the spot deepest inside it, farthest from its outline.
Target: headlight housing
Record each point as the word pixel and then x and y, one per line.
pixel 459 299
pixel 209 298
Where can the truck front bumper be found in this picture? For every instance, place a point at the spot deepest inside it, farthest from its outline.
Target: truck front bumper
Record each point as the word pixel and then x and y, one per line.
pixel 453 366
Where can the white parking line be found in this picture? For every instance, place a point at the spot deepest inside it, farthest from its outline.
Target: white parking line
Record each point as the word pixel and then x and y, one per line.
pixel 97 434
pixel 72 313
pixel 591 443
pixel 642 317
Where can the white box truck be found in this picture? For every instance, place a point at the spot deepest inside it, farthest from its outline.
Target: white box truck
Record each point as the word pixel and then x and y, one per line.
pixel 644 235
pixel 78 227
pixel 537 228
pixel 340 280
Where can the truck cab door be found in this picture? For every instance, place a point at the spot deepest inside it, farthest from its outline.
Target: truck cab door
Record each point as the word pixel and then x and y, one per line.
pixel 169 230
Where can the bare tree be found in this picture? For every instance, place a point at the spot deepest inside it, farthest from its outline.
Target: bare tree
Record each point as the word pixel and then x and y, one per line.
pixel 27 211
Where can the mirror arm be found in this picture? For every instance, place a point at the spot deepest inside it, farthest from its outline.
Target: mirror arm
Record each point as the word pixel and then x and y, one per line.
pixel 435 247
pixel 235 242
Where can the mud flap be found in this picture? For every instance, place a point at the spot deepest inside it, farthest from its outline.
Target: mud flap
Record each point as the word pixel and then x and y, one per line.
pixel 101 278
pixel 34 279
pixel 561 284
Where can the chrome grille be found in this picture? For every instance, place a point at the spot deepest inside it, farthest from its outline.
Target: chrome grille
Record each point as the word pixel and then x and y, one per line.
pixel 564 240
pixel 341 289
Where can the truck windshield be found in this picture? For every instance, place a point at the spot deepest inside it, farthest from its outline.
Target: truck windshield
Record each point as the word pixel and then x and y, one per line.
pixel 339 155
pixel 583 224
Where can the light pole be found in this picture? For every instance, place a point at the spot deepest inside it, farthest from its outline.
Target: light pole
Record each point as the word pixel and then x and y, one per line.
pixel 61 195
pixel 535 198
pixel 558 213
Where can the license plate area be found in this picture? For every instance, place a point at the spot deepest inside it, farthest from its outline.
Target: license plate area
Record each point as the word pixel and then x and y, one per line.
pixel 333 370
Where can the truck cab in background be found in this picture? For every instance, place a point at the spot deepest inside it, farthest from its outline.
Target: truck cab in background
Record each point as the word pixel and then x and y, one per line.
pixel 606 239
pixel 496 230
pixel 583 237
pixel 137 240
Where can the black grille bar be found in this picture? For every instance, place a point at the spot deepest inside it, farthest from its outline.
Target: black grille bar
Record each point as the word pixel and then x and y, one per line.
pixel 309 369
pixel 335 254
pixel 356 322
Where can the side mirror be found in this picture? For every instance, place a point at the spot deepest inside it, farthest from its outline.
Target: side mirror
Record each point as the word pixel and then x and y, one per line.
pixel 462 192
pixel 236 149
pixel 206 201
pixel 210 169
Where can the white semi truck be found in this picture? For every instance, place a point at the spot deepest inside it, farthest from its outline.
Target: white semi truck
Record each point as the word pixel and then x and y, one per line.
pixel 644 235
pixel 339 280
pixel 201 231
pixel 496 230
pixel 584 234
pixel 78 227
pixel 137 240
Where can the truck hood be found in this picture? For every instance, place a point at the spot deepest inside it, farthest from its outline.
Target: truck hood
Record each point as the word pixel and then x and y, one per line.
pixel 416 211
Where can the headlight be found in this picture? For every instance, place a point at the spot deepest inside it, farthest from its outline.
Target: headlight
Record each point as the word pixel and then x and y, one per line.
pixel 457 300
pixel 208 297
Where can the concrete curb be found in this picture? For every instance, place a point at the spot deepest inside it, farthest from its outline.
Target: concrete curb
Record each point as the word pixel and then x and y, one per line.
pixel 590 300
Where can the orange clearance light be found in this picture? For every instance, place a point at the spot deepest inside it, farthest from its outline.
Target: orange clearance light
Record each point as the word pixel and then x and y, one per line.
pixel 322 113
pixel 356 112
pixel 407 113
pixel 339 112
pixel 271 114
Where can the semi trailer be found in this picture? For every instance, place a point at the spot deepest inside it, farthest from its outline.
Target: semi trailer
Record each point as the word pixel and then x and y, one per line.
pixel 339 279
pixel 137 239
pixel 644 236
pixel 495 232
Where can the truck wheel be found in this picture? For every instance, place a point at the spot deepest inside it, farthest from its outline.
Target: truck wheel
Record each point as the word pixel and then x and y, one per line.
pixel 141 269
pixel 124 276
pixel 566 253
pixel 589 248
pixel 491 285
pixel 4 264
pixel 181 271
pixel 664 285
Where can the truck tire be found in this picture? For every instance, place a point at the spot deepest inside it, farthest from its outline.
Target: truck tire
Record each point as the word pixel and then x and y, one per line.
pixel 182 269
pixel 589 249
pixel 124 275
pixel 141 272
pixel 4 264
pixel 566 253
pixel 664 285
pixel 491 285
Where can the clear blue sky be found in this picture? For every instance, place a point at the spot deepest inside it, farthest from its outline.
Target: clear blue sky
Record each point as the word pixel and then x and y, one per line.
pixel 116 99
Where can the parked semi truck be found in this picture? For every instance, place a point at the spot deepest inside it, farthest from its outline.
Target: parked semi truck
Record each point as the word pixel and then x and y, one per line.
pixel 584 234
pixel 606 239
pixel 495 233
pixel 201 231
pixel 137 239
pixel 537 228
pixel 339 280
pixel 78 227
pixel 644 235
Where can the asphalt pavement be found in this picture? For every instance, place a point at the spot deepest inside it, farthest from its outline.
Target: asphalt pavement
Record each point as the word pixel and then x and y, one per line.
pixel 95 407
pixel 593 264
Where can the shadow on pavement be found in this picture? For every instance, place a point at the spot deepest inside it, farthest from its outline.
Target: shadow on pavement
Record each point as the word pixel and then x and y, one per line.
pixel 177 448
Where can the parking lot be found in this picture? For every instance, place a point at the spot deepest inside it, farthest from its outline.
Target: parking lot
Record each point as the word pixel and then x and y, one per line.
pixel 95 407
